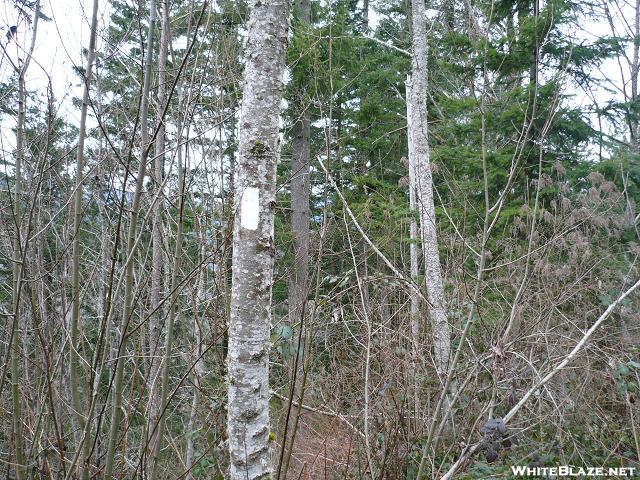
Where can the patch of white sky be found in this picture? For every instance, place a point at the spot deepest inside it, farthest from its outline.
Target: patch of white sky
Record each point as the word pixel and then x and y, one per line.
pixel 613 76
pixel 57 52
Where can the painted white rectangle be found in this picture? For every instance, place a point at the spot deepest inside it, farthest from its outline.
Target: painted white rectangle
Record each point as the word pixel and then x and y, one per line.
pixel 250 208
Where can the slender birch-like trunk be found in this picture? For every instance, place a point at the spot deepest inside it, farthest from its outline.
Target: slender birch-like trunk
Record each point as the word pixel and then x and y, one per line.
pixel 198 359
pixel 422 183
pixel 168 344
pixel 196 337
pixel 160 414
pixel 17 286
pixel 156 317
pixel 77 385
pixel 18 257
pixel 127 311
pixel 253 243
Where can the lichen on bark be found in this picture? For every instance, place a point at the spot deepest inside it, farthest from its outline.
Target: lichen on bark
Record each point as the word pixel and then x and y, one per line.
pixel 253 252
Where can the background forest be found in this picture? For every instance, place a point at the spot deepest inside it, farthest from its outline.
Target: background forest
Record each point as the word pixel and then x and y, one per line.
pixel 117 221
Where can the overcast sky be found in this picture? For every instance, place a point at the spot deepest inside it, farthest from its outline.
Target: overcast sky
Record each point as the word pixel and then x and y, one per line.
pixel 58 47
pixel 59 44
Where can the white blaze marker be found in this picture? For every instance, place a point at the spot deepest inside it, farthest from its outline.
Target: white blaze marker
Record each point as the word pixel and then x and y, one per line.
pixel 250 208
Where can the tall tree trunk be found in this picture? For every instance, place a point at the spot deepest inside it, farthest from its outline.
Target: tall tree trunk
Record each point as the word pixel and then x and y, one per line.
pixel 422 183
pixel 77 385
pixel 253 243
pixel 127 311
pixel 19 258
pixel 198 359
pixel 173 307
pixel 299 278
pixel 195 330
pixel 156 317
pixel 415 300
pixel 300 159
pixel 17 286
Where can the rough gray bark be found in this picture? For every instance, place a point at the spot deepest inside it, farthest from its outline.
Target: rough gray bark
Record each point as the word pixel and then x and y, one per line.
pixel 413 252
pixel 300 159
pixel 253 244
pixel 299 278
pixel 422 183
pixel 415 300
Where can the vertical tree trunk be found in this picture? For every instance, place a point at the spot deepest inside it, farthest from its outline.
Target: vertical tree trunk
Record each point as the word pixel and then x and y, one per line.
pixel 198 358
pixel 18 260
pixel 75 384
pixel 300 159
pixel 173 307
pixel 17 286
pixel 253 244
pixel 299 278
pixel 163 367
pixel 415 300
pixel 423 185
pixel 201 288
pixel 127 311
pixel 156 317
